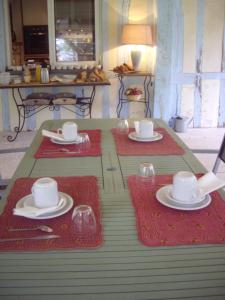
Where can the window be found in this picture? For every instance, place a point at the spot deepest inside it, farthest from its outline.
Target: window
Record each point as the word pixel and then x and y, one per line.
pixel 72 27
pixel 73 31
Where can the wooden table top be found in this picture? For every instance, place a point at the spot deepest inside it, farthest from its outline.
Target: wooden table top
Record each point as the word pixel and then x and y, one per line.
pixel 123 268
pixel 52 84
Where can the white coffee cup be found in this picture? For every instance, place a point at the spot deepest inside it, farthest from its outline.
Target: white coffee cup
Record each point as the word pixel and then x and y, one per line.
pixel 144 128
pixel 185 187
pixel 45 192
pixel 69 131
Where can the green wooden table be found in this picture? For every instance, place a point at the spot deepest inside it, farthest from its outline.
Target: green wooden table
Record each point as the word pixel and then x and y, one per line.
pixel 122 268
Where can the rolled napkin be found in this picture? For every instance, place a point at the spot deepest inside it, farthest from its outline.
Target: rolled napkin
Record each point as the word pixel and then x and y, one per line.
pixel 209 183
pixel 32 211
pixel 53 135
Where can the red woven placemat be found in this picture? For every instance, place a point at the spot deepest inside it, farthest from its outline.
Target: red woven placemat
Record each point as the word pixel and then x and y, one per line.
pixel 158 225
pixel 94 150
pixel 83 190
pixel 166 146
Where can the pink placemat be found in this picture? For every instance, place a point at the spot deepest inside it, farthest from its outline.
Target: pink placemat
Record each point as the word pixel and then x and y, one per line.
pixel 93 150
pixel 166 146
pixel 83 190
pixel 158 225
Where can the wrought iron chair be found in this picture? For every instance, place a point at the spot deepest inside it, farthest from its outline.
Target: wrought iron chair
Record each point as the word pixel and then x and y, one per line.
pixel 220 156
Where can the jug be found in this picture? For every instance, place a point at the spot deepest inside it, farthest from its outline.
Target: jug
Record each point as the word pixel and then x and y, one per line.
pixel 44 74
pixel 181 124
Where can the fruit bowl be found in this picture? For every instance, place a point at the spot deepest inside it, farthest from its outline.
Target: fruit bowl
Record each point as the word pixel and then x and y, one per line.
pixel 133 94
pixel 134 97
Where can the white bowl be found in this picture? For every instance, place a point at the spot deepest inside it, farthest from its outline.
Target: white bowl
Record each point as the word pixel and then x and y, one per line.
pixel 134 97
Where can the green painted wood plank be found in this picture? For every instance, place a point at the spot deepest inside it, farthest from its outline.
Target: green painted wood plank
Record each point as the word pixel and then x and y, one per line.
pixel 212 295
pixel 101 282
pixel 117 260
pixel 205 250
pixel 156 275
pixel 195 287
pixel 108 266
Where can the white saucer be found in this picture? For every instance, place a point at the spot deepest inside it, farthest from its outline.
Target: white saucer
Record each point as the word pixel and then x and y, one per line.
pixel 65 142
pixel 135 137
pixel 194 200
pixel 65 207
pixel 29 202
pixel 162 197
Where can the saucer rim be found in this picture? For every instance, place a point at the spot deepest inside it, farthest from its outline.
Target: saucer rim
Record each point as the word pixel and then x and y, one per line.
pixel 162 198
pixel 65 142
pixel 133 136
pixel 49 215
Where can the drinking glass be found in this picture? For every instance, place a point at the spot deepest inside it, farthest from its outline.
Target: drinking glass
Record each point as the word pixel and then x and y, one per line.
pixel 83 221
pixel 146 173
pixel 123 126
pixel 85 143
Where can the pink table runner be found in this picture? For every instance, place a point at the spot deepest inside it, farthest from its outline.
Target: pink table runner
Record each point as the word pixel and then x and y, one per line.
pixel 94 150
pixel 158 225
pixel 83 190
pixel 166 146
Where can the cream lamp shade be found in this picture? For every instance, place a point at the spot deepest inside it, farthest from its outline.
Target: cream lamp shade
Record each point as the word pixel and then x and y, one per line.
pixel 136 34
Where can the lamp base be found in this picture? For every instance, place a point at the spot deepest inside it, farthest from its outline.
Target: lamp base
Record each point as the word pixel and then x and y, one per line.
pixel 135 58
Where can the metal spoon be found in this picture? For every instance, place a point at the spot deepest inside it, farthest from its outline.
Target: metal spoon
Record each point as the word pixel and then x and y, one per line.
pixel 44 228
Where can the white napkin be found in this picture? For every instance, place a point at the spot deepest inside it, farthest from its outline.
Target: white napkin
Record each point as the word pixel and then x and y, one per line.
pixel 209 183
pixel 53 135
pixel 32 211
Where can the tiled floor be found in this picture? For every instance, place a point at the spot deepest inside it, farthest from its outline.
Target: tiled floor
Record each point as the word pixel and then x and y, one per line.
pixel 10 161
pixel 208 139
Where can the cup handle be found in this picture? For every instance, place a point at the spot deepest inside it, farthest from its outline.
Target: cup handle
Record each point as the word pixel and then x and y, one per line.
pixel 32 191
pixel 137 126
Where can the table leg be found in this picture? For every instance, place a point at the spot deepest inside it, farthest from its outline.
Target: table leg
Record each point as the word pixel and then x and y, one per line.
pixel 91 101
pixel 21 116
pixel 147 83
pixel 121 92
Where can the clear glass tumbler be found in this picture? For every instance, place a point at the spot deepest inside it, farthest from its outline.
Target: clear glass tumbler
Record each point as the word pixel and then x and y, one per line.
pixel 123 126
pixel 83 221
pixel 85 143
pixel 146 173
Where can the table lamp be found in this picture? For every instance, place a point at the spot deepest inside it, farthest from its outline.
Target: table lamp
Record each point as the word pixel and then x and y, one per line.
pixel 136 34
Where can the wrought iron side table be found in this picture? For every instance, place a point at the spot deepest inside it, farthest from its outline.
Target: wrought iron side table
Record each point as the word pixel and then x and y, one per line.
pixel 25 111
pixel 147 83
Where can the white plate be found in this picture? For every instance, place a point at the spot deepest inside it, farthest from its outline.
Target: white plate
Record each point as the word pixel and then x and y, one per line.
pixel 162 197
pixel 135 137
pixel 76 141
pixel 66 206
pixel 170 196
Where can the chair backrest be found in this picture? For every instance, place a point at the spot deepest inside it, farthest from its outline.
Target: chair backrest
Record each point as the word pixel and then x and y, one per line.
pixel 220 156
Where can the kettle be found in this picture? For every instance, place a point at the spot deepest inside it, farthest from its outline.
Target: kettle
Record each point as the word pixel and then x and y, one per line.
pixel 44 74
